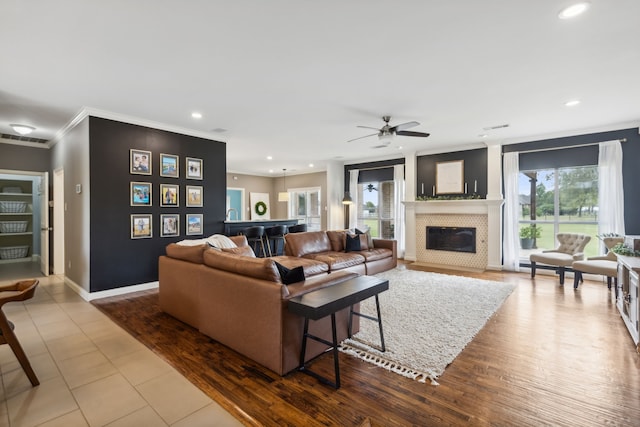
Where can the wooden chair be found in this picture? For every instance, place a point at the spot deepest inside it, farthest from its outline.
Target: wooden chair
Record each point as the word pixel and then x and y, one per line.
pixel 20 291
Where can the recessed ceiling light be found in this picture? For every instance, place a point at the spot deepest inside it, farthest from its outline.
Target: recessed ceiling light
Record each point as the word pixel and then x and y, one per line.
pixel 399 147
pixel 574 10
pixel 269 157
pixel 310 165
pixel 572 103
pixel 270 170
pixel 196 115
pixel 23 129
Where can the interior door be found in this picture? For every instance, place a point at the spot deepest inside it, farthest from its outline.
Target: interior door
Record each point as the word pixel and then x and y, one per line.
pixel 44 223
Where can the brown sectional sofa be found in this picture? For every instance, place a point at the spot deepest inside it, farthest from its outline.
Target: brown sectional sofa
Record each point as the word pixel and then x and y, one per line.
pixel 241 302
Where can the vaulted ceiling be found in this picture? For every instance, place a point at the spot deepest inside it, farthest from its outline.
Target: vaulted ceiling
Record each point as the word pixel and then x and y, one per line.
pixel 292 79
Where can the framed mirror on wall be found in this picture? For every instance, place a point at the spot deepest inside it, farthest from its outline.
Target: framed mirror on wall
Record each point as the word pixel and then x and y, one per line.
pixel 235 208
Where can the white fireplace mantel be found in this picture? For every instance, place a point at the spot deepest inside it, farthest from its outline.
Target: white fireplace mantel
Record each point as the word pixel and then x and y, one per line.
pixel 490 207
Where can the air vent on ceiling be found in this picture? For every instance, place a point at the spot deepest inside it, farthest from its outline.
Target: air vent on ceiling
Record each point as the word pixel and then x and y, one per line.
pixel 496 127
pixel 23 138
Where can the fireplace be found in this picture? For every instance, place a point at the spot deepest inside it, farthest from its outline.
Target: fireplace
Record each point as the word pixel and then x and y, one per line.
pixel 454 239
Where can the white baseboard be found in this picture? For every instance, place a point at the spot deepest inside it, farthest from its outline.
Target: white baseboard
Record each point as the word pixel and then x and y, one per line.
pixel 89 296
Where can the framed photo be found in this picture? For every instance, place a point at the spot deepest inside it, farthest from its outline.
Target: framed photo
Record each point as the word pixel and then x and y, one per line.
pixel 194 224
pixel 169 195
pixel 194 196
pixel 140 193
pixel 169 165
pixel 194 168
pixel 141 226
pixel 169 225
pixel 139 162
pixel 450 177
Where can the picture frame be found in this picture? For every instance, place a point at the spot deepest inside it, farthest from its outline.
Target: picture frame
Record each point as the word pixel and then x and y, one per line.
pixel 140 162
pixel 141 226
pixel 169 195
pixel 194 225
pixel 193 169
pixel 193 196
pixel 450 177
pixel 140 194
pixel 169 165
pixel 169 225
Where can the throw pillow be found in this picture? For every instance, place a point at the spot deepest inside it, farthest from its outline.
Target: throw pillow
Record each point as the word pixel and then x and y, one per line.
pixel 352 243
pixel 289 276
pixel 220 241
pixel 367 234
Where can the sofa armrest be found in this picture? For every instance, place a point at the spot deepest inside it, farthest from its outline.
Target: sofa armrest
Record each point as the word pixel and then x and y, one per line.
pixel 387 244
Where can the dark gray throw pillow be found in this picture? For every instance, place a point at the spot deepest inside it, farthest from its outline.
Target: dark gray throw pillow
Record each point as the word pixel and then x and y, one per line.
pixel 289 276
pixel 352 243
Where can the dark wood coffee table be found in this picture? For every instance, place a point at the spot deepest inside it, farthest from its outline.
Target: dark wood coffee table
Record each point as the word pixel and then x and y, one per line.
pixel 327 301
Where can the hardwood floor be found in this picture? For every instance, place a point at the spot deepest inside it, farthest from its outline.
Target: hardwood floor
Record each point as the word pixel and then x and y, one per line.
pixel 549 356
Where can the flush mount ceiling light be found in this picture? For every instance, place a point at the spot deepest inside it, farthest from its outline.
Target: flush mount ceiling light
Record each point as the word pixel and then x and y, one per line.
pixel 574 10
pixel 572 103
pixel 22 129
pixel 196 115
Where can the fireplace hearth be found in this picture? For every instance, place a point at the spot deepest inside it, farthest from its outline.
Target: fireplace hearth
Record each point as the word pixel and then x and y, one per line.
pixel 454 239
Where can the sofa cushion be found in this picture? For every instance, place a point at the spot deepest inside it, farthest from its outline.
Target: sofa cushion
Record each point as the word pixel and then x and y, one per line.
pixel 290 275
pixel 376 254
pixel 352 243
pixel 336 237
pixel 311 267
pixel 310 242
pixel 259 268
pixel 367 235
pixel 190 253
pixel 241 250
pixel 338 260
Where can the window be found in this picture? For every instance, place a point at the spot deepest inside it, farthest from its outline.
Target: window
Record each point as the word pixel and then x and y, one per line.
pixel 304 205
pixel 559 200
pixel 375 208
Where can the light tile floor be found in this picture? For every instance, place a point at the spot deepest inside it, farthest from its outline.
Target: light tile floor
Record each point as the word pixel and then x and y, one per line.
pixel 91 372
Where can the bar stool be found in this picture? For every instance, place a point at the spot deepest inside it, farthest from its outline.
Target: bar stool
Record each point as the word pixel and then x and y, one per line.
pixel 255 238
pixel 299 228
pixel 20 291
pixel 275 235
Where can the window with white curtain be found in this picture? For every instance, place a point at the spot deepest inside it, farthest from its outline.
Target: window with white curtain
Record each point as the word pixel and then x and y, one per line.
pixel 376 208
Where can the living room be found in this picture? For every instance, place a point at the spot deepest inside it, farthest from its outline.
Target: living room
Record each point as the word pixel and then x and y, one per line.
pixel 294 111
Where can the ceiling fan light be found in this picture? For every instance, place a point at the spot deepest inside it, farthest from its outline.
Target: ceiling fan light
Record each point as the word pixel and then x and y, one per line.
pixel 22 129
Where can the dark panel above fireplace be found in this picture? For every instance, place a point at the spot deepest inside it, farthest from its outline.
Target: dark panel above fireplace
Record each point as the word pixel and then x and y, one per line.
pixel 455 239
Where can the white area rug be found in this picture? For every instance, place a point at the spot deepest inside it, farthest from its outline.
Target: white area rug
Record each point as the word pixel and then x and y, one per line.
pixel 427 320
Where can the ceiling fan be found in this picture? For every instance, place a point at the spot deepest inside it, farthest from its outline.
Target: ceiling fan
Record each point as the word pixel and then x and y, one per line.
pixel 386 132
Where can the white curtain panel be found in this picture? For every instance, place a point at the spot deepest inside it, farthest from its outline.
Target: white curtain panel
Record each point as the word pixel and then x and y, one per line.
pixel 610 190
pixel 398 196
pixel 510 244
pixel 353 191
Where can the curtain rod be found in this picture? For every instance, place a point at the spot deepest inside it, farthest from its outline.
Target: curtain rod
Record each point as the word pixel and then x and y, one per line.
pixel 377 167
pixel 563 148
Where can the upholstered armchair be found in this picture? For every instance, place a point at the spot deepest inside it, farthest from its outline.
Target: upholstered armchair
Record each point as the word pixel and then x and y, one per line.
pixel 570 249
pixel 606 265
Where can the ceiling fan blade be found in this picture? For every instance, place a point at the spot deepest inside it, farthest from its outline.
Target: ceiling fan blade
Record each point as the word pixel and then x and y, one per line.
pixel 411 133
pixel 404 126
pixel 368 127
pixel 360 137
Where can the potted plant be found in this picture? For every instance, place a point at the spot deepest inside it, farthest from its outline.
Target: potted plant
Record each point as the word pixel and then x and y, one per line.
pixel 527 235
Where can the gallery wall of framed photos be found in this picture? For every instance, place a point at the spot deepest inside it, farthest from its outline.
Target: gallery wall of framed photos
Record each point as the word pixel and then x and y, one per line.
pixel 155 187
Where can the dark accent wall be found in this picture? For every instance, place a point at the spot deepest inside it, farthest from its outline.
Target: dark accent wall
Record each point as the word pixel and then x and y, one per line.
pixel 630 156
pixel 116 259
pixel 475 169
pixel 372 171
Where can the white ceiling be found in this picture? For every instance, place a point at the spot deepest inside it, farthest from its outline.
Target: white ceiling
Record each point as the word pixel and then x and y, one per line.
pixel 293 78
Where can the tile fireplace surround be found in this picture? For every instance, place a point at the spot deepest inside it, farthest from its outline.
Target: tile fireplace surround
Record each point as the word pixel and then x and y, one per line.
pixel 485 215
